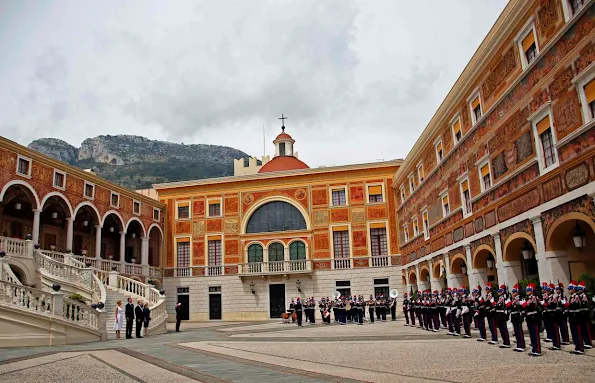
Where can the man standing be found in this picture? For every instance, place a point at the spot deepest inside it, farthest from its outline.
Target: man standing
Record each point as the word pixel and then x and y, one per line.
pixel 129 318
pixel 393 309
pixel 371 308
pixel 298 312
pixel 178 316
pixel 516 317
pixel 405 308
pixel 533 320
pixel 139 314
pixel 574 317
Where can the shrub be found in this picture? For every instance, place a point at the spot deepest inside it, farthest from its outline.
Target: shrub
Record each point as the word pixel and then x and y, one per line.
pixel 78 298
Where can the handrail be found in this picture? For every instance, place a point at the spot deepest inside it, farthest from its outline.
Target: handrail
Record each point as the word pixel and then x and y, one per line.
pixel 281 267
pixel 9 275
pixel 62 271
pixel 27 298
pixel 13 246
pixel 98 289
pixel 80 314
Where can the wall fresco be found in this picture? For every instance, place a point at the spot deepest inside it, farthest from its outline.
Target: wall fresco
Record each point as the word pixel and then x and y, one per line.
pixel 376 212
pixel 359 239
pixel 356 194
pixel 519 205
pixel 231 206
pixel 567 114
pixel 320 217
pixel 183 227
pixel 583 204
pixel 577 176
pixel 321 241
pixel 319 197
pixel 214 225
pixel 339 215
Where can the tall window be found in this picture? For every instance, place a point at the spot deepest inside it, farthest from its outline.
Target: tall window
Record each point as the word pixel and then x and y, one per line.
pixel 529 47
pixel 343 287
pixel 297 251
pixel 445 205
pixel 341 244
pixel 276 216
pixel 89 190
pixel 402 189
pixel 59 179
pixel 276 252
pixel 590 97
pixel 183 253
pixel 411 184
pixel 214 209
pixel 466 197
pixel 415 227
pixel 475 109
pixel 339 198
pixel 439 152
pixel 282 148
pixel 375 193
pixel 136 207
pixel 420 173
pixel 24 167
pixel 456 130
pixel 115 199
pixel 378 241
pixel 254 253
pixel 486 179
pixel 406 232
pixel 547 143
pixel 215 252
pixel 426 224
pixel 183 210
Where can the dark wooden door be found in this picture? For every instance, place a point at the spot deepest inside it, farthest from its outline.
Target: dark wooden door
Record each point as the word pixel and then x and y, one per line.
pixel 185 307
pixel 214 306
pixel 277 300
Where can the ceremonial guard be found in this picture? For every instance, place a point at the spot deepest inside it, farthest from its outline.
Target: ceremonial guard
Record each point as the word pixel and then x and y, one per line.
pixel 457 309
pixel 311 310
pixel 393 309
pixel 434 312
pixel 548 315
pixel 448 303
pixel 359 310
pixel 442 309
pixel 532 314
pixel 298 311
pixel 291 310
pixel 385 307
pixel 574 319
pixel 489 305
pixel 467 313
pixel 371 308
pixel 341 310
pixel 418 309
pixel 480 313
pixel 406 308
pixel 551 308
pixel 502 306
pixel 561 313
pixel 516 317
pixel 411 308
pixel 585 315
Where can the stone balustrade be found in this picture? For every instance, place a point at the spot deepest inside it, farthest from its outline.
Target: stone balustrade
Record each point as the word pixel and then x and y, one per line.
pixel 14 246
pixel 26 298
pixel 81 314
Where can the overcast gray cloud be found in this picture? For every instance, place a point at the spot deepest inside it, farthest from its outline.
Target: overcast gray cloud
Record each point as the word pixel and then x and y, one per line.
pixel 359 80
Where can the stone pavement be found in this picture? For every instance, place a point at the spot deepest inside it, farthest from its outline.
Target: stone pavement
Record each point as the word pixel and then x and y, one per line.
pixel 273 352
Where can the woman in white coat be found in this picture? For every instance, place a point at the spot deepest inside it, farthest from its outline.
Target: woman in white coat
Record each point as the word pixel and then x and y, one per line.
pixel 118 323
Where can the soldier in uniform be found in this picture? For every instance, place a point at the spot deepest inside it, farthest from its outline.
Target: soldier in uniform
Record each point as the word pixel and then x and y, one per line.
pixel 531 307
pixel 448 303
pixel 405 308
pixel 585 315
pixel 418 309
pixel 442 309
pixel 479 313
pixel 411 308
pixel 378 307
pixel 516 317
pixel 393 309
pixel 548 315
pixel 457 309
pixel 489 304
pixel 551 307
pixel 574 319
pixel 502 306
pixel 359 309
pixel 298 311
pixel 561 314
pixel 467 313
pixel 384 308
pixel 435 315
pixel 371 308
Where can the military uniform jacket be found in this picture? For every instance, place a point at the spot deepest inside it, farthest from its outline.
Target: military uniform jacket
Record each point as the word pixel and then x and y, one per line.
pixel 405 304
pixel 516 310
pixel 532 310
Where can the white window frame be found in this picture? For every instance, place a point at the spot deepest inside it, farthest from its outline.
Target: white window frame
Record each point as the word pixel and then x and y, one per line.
pixel 381 184
pixel 92 196
pixel 30 167
pixel 176 249
pixel 567 10
pixel 158 214
pixel 60 187
pixel 579 82
pixel 479 166
pixel 529 27
pixel 463 204
pixel 454 120
pixel 337 188
pixel 112 193
pixel 348 237
pixel 438 159
pixel 426 228
pixel 543 112
pixel 189 210
pixel 415 224
pixel 406 232
pixel 140 207
pixel 403 195
pixel 420 166
pixel 411 180
pixel 444 212
pixel 475 94
pixel 220 201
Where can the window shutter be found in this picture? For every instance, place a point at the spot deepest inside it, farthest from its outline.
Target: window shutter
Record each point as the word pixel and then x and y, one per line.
pixel 182 240
pixel 445 200
pixel 439 146
pixel 183 204
pixel 528 41
pixel 457 126
pixel 485 170
pixel 590 91
pixel 375 190
pixel 214 238
pixel 543 125
pixel 341 228
pixel 378 225
pixel 421 172
pixel 475 103
pixel 465 186
pixel 425 216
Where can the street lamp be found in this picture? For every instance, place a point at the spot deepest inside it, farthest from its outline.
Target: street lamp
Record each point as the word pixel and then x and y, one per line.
pixel 578 236
pixel 464 269
pixel 490 263
pixel 527 250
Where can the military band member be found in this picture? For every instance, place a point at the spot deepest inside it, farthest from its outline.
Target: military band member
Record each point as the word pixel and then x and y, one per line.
pixel 561 313
pixel 489 304
pixel 502 306
pixel 298 311
pixel 385 307
pixel 551 307
pixel 378 318
pixel 479 308
pixel 359 309
pixel 448 303
pixel 574 319
pixel 531 307
pixel 393 309
pixel 467 313
pixel 418 309
pixel 406 308
pixel 457 309
pixel 585 315
pixel 516 317
pixel 547 316
pixel 342 310
pixel 371 308
pixel 442 309
pixel 435 315
pixel 411 308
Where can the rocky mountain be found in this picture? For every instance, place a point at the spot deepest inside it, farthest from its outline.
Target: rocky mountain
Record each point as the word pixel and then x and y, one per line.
pixel 137 162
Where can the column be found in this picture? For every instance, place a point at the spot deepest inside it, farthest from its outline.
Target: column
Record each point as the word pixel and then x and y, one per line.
pixel 35 234
pixel 480 277
pixel 434 282
pixel 470 269
pixel 144 255
pixel 499 261
pixel 552 265
pixel 69 230
pixel 98 242
pixel 447 268
pixel 122 246
pixel 420 286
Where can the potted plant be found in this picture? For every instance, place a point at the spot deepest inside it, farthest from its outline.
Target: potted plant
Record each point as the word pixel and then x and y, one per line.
pixel 53 247
pixel 84 251
pixel 110 256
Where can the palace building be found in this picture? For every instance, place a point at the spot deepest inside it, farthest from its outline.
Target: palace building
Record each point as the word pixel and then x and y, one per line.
pixel 241 247
pixel 499 187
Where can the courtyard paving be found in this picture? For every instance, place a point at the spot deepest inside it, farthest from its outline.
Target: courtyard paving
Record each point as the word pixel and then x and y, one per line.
pixel 274 352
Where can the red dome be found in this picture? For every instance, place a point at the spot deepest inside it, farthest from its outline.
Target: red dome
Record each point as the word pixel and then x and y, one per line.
pixel 284 136
pixel 281 163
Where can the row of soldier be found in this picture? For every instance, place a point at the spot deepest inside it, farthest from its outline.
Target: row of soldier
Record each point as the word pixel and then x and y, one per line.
pixel 345 309
pixel 453 308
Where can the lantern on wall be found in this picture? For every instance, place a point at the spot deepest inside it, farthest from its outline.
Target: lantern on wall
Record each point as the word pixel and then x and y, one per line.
pixel 527 250
pixel 464 269
pixel 490 262
pixel 54 215
pixel 111 229
pixel 578 236
pixel 18 206
pixel 85 223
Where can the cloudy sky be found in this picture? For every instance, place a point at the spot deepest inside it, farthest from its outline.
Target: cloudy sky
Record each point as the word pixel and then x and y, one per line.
pixel 359 80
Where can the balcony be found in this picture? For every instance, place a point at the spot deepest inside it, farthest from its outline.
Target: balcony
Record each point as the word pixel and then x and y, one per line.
pixel 270 268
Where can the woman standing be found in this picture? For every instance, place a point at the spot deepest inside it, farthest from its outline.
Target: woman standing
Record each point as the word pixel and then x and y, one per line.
pixel 147 317
pixel 118 323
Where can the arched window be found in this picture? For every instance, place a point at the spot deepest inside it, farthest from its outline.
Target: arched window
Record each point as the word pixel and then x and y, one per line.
pixel 297 251
pixel 276 252
pixel 276 216
pixel 254 253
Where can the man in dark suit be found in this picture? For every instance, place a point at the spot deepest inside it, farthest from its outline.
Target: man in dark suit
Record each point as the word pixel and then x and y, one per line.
pixel 140 314
pixel 178 316
pixel 129 318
